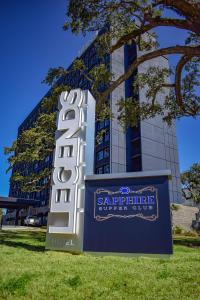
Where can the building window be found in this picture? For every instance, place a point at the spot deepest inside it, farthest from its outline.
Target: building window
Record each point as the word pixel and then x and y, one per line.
pixel 100 125
pixel 47 159
pixel 100 140
pixel 100 170
pixel 106 136
pixel 103 170
pixel 45 180
pixel 106 153
pixel 100 155
pixel 137 166
pixel 107 122
pixel 103 154
pixel 136 131
pixel 136 146
pixel 106 169
pixel 103 138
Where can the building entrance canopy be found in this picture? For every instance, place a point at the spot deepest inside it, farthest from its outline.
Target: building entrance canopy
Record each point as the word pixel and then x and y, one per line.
pixel 17 203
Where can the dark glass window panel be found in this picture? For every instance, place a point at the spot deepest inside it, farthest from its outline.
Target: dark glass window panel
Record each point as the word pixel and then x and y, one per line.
pixel 106 136
pixel 100 170
pixel 100 155
pixel 137 163
pixel 106 169
pixel 106 153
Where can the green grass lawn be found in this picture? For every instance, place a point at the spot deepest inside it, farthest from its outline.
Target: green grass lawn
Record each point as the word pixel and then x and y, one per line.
pixel 29 272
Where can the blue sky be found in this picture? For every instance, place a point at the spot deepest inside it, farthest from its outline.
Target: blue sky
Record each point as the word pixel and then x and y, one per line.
pixel 32 41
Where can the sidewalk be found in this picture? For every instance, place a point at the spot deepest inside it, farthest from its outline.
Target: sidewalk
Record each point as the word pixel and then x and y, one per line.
pixel 12 227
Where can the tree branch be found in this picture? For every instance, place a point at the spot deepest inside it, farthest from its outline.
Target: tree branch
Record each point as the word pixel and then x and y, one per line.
pixel 186 50
pixel 165 85
pixel 87 76
pixel 153 22
pixel 168 85
pixel 184 59
pixel 183 6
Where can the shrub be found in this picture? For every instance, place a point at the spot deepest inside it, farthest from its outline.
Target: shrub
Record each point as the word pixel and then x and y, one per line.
pixel 174 207
pixel 191 233
pixel 177 230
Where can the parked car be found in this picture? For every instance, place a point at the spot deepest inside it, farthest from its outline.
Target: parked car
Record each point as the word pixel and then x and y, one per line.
pixel 32 221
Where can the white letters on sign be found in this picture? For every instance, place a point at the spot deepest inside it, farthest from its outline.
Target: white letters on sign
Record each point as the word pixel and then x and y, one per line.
pixel 73 158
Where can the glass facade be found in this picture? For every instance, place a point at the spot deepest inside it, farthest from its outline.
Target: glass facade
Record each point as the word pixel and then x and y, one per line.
pixel 133 135
pixel 74 80
pixel 102 148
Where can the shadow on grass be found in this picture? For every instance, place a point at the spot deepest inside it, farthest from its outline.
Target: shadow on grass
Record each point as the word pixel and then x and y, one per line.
pixel 22 245
pixel 188 241
pixel 27 240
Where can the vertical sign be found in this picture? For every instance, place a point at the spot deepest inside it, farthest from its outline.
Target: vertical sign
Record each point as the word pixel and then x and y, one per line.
pixel 73 158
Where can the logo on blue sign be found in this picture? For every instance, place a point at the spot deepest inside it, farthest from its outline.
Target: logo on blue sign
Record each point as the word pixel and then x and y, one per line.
pixel 126 203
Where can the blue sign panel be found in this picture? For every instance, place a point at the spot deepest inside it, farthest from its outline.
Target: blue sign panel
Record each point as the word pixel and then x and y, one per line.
pixel 128 215
pixel 126 203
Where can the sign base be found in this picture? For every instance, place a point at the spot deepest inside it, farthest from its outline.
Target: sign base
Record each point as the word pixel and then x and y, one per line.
pixel 63 242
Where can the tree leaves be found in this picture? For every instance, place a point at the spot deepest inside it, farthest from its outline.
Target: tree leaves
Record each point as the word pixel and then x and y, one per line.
pixel 191 183
pixel 54 74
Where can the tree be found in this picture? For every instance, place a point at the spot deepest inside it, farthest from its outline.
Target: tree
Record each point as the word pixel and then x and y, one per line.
pixel 133 21
pixel 122 22
pixel 190 180
pixel 33 146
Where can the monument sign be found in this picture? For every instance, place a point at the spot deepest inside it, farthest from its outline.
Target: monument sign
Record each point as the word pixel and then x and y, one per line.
pixel 110 213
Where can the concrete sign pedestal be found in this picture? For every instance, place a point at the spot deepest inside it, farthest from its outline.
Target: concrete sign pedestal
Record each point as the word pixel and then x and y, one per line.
pixel 73 158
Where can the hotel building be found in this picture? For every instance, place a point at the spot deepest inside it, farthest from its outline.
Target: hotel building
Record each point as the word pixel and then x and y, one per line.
pixel 151 145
